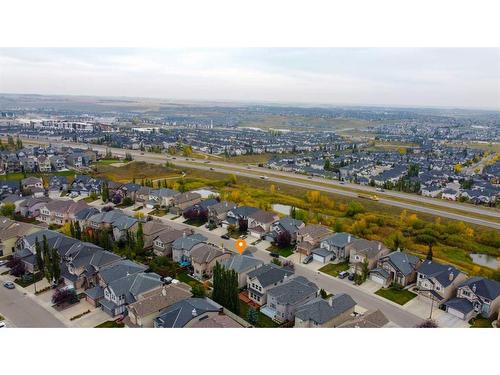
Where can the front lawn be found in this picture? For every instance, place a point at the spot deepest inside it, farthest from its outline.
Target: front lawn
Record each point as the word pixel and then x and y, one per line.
pixel 480 322
pixel 400 296
pixel 284 251
pixel 334 269
pixel 110 324
pixel 158 212
pixel 263 322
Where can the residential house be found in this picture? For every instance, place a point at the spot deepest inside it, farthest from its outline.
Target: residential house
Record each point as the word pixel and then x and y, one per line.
pixel 124 224
pixel 335 246
pixel 217 213
pixel 259 222
pixel 44 165
pixel 141 314
pixel 438 281
pixel 30 207
pixel 367 252
pixel 242 265
pixel 264 278
pixel 184 200
pixel 330 313
pixel 109 273
pixel 60 211
pixel 283 300
pixel 126 290
pixel 164 196
pixel 163 242
pixel 182 247
pixel 397 267
pixel 475 296
pixel 204 258
pixel 31 182
pixel 188 313
pixel 10 233
pixel 234 216
pixel 151 229
pixel 310 236
pixel 286 224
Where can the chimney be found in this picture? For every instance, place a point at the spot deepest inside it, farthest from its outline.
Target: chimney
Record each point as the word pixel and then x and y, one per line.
pixel 450 276
pixel 379 246
pixel 330 301
pixel 194 313
pixel 349 238
pixel 183 234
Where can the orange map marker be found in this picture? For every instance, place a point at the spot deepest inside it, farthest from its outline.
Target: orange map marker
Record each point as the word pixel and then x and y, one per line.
pixel 241 245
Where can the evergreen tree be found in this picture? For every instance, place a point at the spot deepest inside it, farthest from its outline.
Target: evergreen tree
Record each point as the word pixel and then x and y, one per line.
pixel 72 229
pixel 56 266
pixel 140 239
pixel 78 231
pixel 47 260
pixel 39 257
pixel 429 253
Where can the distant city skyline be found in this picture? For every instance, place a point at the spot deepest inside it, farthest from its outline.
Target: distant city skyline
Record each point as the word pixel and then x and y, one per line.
pixel 444 77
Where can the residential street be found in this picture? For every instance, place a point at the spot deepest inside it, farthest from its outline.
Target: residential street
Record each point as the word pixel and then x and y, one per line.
pixel 23 311
pixel 394 313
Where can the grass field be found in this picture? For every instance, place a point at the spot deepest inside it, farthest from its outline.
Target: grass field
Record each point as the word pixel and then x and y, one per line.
pixel 480 322
pixel 282 251
pixel 136 169
pixel 400 296
pixel 20 175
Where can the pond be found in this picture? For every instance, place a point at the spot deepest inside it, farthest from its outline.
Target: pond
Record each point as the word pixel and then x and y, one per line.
pixel 486 260
pixel 282 208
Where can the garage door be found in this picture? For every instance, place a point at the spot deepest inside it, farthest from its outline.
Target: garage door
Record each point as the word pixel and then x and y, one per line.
pixel 457 313
pixel 318 258
pixel 378 279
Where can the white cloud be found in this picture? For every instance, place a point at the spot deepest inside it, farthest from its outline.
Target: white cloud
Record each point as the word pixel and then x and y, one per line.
pixel 435 77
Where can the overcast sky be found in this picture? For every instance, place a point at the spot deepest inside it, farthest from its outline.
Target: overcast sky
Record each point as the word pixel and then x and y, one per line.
pixel 467 78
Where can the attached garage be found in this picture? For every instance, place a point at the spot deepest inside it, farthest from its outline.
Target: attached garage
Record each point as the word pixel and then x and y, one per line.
pixel 459 307
pixel 379 275
pixel 322 255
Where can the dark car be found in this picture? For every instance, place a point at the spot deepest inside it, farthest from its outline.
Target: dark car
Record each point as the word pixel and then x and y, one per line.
pixel 351 277
pixel 274 255
pixel 225 237
pixel 308 259
pixel 9 285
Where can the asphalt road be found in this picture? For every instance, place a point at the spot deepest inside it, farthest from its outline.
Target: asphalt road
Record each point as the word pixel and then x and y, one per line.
pixel 22 311
pixel 369 301
pixel 326 185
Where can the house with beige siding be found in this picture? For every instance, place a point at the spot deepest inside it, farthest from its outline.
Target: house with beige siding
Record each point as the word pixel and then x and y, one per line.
pixel 204 258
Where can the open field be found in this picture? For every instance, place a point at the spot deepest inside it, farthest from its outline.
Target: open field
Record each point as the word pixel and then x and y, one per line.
pixel 301 122
pixel 136 169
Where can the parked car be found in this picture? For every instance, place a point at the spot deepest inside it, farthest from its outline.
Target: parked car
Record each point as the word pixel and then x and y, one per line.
pixel 274 255
pixel 2 325
pixel 310 177
pixel 3 263
pixel 342 182
pixel 343 274
pixel 308 259
pixel 225 237
pixel 351 277
pixel 9 285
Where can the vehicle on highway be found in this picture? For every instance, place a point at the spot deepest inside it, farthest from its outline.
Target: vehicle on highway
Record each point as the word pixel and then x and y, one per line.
pixel 212 169
pixel 9 285
pixel 142 153
pixel 225 237
pixel 2 325
pixel 351 277
pixel 308 259
pixel 368 196
pixel 249 168
pixel 264 177
pixel 310 177
pixel 343 274
pixel 380 189
pixel 3 263
pixel 342 182
pixel 274 255
pixel 173 157
pixel 207 162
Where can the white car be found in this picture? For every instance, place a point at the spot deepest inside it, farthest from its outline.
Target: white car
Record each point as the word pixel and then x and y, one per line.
pixel 2 324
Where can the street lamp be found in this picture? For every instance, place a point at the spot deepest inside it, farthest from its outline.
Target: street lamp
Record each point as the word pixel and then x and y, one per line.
pixel 431 296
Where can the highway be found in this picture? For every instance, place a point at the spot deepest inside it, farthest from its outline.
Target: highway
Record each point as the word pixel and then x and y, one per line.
pixel 402 200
